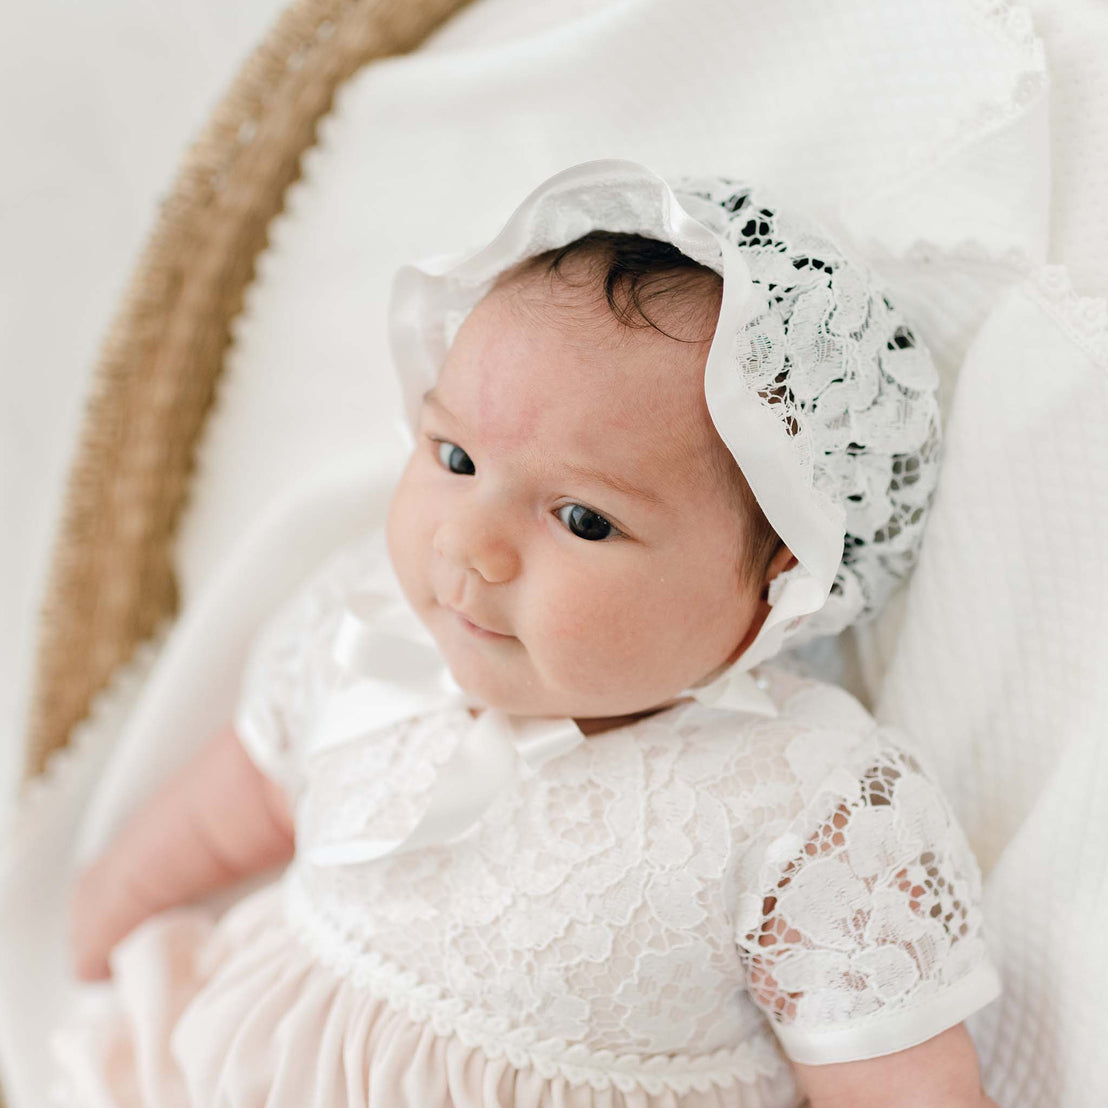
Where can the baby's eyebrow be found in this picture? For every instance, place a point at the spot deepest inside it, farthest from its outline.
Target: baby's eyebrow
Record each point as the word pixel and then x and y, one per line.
pixel 618 483
pixel 429 397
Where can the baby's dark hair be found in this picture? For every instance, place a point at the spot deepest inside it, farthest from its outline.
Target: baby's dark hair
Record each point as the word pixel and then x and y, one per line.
pixel 638 275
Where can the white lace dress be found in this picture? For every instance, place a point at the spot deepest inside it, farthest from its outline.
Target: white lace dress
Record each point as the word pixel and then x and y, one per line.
pixel 656 918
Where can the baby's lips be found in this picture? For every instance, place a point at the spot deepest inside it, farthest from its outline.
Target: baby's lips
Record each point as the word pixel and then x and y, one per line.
pixel 478 624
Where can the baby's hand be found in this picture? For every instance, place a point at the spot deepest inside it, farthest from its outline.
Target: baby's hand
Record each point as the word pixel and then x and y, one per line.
pixel 217 821
pixel 103 910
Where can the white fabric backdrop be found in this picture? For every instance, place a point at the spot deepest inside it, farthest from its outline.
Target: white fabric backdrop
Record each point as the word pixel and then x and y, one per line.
pixel 932 140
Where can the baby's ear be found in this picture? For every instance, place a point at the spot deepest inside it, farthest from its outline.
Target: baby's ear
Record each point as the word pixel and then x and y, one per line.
pixel 782 560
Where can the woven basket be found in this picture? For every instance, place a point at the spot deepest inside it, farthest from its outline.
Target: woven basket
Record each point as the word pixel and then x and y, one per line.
pixel 112 584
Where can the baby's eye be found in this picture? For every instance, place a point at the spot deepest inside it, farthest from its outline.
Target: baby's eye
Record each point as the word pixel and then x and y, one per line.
pixel 585 523
pixel 455 459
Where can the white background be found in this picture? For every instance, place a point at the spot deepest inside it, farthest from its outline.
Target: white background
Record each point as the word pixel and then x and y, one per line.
pixel 98 99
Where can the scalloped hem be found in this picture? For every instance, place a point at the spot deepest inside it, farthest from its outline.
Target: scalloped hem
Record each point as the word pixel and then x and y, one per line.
pixel 240 1011
pixel 750 1062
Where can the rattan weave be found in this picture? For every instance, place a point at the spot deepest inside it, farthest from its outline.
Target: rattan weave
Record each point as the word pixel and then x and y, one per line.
pixel 111 584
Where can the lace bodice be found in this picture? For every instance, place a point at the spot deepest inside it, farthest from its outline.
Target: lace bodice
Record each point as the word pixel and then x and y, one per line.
pixel 648 904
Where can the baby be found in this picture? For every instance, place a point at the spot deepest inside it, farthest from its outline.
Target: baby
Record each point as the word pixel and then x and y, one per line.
pixel 561 837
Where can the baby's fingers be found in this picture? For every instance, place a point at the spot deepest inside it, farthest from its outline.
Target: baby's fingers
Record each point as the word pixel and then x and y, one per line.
pixel 102 912
pixel 88 966
pixel 86 940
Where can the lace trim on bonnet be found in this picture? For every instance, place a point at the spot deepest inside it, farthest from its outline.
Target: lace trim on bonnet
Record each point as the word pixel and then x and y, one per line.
pixel 850 383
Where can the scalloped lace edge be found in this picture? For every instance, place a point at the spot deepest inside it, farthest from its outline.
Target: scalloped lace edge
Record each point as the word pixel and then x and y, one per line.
pixel 1012 21
pixel 340 952
pixel 1083 318
pixel 35 802
pixel 1007 21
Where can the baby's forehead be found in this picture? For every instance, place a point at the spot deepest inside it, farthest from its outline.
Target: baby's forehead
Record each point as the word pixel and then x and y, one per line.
pixel 576 329
pixel 536 352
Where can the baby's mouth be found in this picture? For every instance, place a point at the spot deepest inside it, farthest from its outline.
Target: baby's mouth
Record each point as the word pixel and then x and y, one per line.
pixel 474 628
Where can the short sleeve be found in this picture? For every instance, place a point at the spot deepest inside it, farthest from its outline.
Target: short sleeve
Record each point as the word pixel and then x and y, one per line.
pixel 290 667
pixel 869 935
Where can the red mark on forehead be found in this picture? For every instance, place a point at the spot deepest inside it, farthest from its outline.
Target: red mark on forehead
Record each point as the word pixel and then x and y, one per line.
pixel 507 410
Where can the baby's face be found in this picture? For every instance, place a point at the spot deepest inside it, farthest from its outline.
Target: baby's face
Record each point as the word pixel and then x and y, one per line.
pixel 565 527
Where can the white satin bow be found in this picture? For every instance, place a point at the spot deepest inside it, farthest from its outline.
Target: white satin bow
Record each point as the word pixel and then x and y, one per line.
pixel 390 669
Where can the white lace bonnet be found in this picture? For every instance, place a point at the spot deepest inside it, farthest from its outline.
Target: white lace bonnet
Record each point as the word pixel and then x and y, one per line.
pixel 813 380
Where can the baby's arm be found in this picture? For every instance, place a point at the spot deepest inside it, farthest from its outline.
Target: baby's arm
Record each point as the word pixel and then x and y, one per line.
pixel 939 1073
pixel 215 822
pixel 870 948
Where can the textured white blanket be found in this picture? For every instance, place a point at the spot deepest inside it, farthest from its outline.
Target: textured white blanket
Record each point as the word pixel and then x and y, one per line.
pixel 923 132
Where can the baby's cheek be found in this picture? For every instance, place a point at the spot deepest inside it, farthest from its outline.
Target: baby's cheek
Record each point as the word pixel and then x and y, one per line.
pixel 593 636
pixel 409 528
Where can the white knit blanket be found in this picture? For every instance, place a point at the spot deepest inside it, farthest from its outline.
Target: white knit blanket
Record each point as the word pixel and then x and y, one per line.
pixel 931 135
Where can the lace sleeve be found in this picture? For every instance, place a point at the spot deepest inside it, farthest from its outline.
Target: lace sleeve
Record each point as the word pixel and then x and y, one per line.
pixel 868 939
pixel 289 666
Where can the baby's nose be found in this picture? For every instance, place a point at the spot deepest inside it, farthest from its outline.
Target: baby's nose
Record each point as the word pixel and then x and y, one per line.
pixel 470 543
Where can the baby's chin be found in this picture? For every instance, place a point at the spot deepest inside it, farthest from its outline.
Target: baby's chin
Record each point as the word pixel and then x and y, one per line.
pixel 511 689
pixel 489 686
